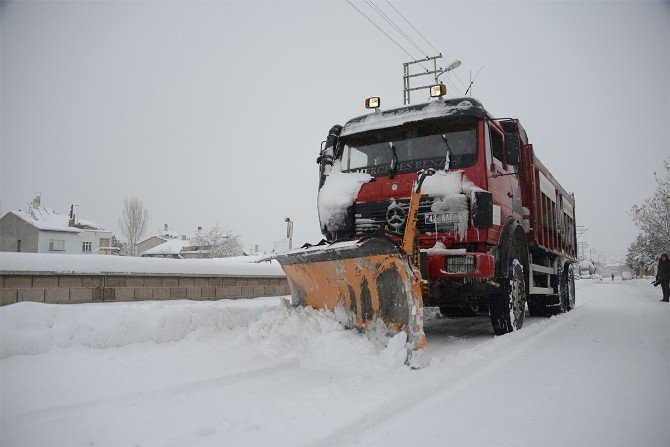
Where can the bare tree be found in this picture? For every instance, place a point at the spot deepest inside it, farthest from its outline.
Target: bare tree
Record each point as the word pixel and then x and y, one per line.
pixel 133 222
pixel 652 217
pixel 218 242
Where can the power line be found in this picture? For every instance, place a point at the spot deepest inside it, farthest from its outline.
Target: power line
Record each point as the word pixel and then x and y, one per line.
pixel 397 28
pixel 418 32
pixel 381 30
pixel 448 81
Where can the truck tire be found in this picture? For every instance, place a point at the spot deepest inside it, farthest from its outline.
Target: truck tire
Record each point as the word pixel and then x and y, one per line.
pixel 566 288
pixel 507 309
pixel 569 288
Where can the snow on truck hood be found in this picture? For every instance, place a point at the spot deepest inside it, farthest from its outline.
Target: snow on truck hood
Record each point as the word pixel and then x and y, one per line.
pixel 407 114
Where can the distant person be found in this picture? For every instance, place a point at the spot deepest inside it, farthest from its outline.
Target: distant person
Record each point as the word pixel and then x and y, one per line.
pixel 663 276
pixel 612 276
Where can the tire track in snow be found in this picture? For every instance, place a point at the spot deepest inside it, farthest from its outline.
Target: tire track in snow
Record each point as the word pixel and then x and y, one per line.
pixel 596 319
pixel 429 389
pixel 164 393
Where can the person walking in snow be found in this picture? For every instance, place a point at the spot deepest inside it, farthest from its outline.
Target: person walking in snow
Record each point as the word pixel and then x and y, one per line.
pixel 663 276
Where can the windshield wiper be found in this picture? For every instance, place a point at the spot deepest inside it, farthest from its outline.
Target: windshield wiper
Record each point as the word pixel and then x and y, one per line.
pixel 449 152
pixel 394 161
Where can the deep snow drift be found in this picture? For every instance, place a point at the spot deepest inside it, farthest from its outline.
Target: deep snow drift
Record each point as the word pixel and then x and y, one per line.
pixel 257 372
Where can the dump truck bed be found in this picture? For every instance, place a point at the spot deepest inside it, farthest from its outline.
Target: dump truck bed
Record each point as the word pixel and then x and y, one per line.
pixel 551 207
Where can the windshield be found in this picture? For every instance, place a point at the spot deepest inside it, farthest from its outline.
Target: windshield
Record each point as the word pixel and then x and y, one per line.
pixel 412 147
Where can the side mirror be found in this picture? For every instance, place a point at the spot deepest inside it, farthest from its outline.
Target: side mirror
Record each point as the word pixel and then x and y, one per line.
pixel 512 149
pixel 482 209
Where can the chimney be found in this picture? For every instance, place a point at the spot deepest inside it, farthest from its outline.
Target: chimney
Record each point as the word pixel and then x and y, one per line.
pixel 37 201
pixel 71 221
pixel 199 229
pixel 165 227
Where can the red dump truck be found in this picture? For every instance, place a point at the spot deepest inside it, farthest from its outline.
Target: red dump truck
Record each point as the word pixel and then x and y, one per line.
pixel 436 204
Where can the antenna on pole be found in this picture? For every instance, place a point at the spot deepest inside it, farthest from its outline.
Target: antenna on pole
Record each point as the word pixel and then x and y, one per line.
pixel 435 73
pixel 472 81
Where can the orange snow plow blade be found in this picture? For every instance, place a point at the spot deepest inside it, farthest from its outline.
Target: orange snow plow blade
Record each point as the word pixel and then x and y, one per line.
pixel 371 279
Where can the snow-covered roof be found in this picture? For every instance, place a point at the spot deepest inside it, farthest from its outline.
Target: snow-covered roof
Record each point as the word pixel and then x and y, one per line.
pixel 398 117
pixel 169 247
pixel 151 237
pixel 47 219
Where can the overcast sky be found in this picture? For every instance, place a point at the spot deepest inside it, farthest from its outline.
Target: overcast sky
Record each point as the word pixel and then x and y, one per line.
pixel 215 111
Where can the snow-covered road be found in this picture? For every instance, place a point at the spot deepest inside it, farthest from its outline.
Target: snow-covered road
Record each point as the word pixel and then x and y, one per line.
pixel 257 373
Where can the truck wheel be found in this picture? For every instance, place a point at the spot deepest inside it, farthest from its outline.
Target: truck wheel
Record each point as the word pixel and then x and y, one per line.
pixel 507 309
pixel 569 288
pixel 566 289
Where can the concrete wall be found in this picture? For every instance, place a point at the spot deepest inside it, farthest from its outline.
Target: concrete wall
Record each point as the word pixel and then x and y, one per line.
pixel 12 229
pixel 107 287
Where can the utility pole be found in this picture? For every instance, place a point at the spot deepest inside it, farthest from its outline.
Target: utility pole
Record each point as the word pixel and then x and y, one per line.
pixel 581 245
pixel 289 232
pixel 435 73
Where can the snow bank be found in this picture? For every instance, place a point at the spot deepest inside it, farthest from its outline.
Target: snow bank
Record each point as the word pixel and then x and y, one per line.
pixel 97 264
pixel 319 340
pixel 337 194
pixel 34 328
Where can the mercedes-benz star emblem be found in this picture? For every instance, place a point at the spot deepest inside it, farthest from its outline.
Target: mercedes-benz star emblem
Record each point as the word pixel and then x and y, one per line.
pixel 395 216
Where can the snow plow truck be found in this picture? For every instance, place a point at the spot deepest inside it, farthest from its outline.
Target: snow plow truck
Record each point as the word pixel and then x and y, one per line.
pixel 436 204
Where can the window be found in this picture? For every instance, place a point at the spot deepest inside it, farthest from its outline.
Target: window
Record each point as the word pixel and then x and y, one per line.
pixel 56 245
pixel 496 145
pixel 411 147
pixel 86 247
pixel 104 242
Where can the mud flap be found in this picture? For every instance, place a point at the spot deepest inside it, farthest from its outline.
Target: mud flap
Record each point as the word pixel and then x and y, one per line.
pixel 370 279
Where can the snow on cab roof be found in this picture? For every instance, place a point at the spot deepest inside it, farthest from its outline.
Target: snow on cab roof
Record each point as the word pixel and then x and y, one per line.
pixel 47 219
pixel 407 114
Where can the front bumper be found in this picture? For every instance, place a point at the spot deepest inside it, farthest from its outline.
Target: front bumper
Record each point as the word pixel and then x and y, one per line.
pixel 469 265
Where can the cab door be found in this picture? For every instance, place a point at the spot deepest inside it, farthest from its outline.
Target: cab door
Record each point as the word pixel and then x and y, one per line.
pixel 498 178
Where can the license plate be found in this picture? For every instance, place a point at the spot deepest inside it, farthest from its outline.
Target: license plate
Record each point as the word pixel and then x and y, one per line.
pixel 436 218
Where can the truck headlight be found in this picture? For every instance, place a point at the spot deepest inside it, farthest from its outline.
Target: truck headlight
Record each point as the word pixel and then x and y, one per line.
pixel 461 264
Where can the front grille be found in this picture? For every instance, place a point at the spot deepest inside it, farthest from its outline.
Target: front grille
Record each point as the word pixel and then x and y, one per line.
pixel 462 264
pixel 371 216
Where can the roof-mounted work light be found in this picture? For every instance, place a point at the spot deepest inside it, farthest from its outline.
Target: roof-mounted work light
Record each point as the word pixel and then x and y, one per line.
pixel 438 90
pixel 372 102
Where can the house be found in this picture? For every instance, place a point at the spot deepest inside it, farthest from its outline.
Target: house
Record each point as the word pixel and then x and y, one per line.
pixel 163 236
pixel 43 230
pixel 149 243
pixel 171 245
pixel 171 248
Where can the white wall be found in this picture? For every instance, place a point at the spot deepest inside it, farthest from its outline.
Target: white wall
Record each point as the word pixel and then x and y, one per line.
pixel 73 241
